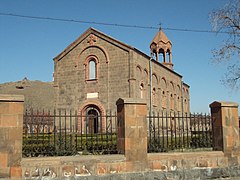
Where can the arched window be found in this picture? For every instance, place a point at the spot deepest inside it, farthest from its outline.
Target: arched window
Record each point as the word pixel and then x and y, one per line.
pixel 91 65
pixel 178 104
pixel 171 102
pixel 185 105
pixel 142 91
pixel 92 69
pixel 163 85
pixel 154 97
pixel 164 100
pixel 146 77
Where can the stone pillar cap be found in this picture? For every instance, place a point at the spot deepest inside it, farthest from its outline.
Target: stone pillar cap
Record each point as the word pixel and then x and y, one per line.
pixel 11 98
pixel 130 101
pixel 223 104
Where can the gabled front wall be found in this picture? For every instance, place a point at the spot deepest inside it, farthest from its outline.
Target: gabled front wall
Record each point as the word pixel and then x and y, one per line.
pixel 75 91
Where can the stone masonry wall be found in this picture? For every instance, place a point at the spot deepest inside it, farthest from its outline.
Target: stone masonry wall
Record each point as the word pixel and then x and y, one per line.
pixel 160 73
pixel 117 76
pixel 11 127
pixel 112 74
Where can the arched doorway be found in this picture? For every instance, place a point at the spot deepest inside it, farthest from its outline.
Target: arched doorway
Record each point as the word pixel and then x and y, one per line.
pixel 92 120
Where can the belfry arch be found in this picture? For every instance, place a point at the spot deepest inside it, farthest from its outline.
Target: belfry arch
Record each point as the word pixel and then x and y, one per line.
pixel 161 48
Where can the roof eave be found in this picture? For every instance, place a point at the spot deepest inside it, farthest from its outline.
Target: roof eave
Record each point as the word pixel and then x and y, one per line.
pixel 79 39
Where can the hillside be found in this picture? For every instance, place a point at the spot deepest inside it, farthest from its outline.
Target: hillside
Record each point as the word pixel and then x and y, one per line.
pixel 39 95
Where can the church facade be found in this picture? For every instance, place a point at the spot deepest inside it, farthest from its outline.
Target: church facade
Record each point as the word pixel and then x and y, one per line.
pixel 93 72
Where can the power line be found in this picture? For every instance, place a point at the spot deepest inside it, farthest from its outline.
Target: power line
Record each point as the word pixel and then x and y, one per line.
pixel 75 21
pixel 109 24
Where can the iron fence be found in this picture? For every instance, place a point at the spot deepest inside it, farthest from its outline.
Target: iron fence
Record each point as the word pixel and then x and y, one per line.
pixel 179 132
pixel 60 133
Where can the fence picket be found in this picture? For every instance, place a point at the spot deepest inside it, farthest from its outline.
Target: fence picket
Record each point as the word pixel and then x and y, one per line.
pixel 62 133
pixel 184 132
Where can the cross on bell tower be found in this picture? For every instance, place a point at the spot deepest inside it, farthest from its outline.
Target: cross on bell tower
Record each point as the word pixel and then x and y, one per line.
pixel 161 46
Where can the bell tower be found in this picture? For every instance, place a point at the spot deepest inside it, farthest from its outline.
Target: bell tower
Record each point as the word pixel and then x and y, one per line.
pixel 161 48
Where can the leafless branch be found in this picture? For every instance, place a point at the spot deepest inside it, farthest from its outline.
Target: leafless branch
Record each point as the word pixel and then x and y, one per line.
pixel 228 19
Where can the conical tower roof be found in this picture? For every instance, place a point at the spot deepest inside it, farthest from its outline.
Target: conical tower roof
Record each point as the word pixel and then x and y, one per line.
pixel 161 37
pixel 162 45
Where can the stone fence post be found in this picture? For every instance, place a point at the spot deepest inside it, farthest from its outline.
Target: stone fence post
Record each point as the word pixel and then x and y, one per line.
pixel 11 128
pixel 132 132
pixel 225 126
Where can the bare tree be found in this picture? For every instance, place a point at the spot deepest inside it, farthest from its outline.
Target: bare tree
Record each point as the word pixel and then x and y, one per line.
pixel 227 21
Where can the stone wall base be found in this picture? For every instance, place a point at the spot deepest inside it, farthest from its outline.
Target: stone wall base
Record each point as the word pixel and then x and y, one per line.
pixel 206 173
pixel 201 173
pixel 186 165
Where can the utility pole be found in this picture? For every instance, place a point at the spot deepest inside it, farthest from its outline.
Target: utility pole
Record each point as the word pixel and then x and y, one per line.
pixel 182 96
pixel 150 76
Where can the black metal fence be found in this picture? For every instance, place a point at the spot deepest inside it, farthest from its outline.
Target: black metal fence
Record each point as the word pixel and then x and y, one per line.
pixel 60 133
pixel 179 132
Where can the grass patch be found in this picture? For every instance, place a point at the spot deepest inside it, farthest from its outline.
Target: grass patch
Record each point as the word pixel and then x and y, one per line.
pixel 68 144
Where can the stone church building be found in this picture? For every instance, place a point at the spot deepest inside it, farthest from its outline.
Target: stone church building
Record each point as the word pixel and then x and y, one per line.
pixel 93 72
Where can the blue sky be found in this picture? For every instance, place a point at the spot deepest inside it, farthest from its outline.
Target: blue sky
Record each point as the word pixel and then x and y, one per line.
pixel 27 46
